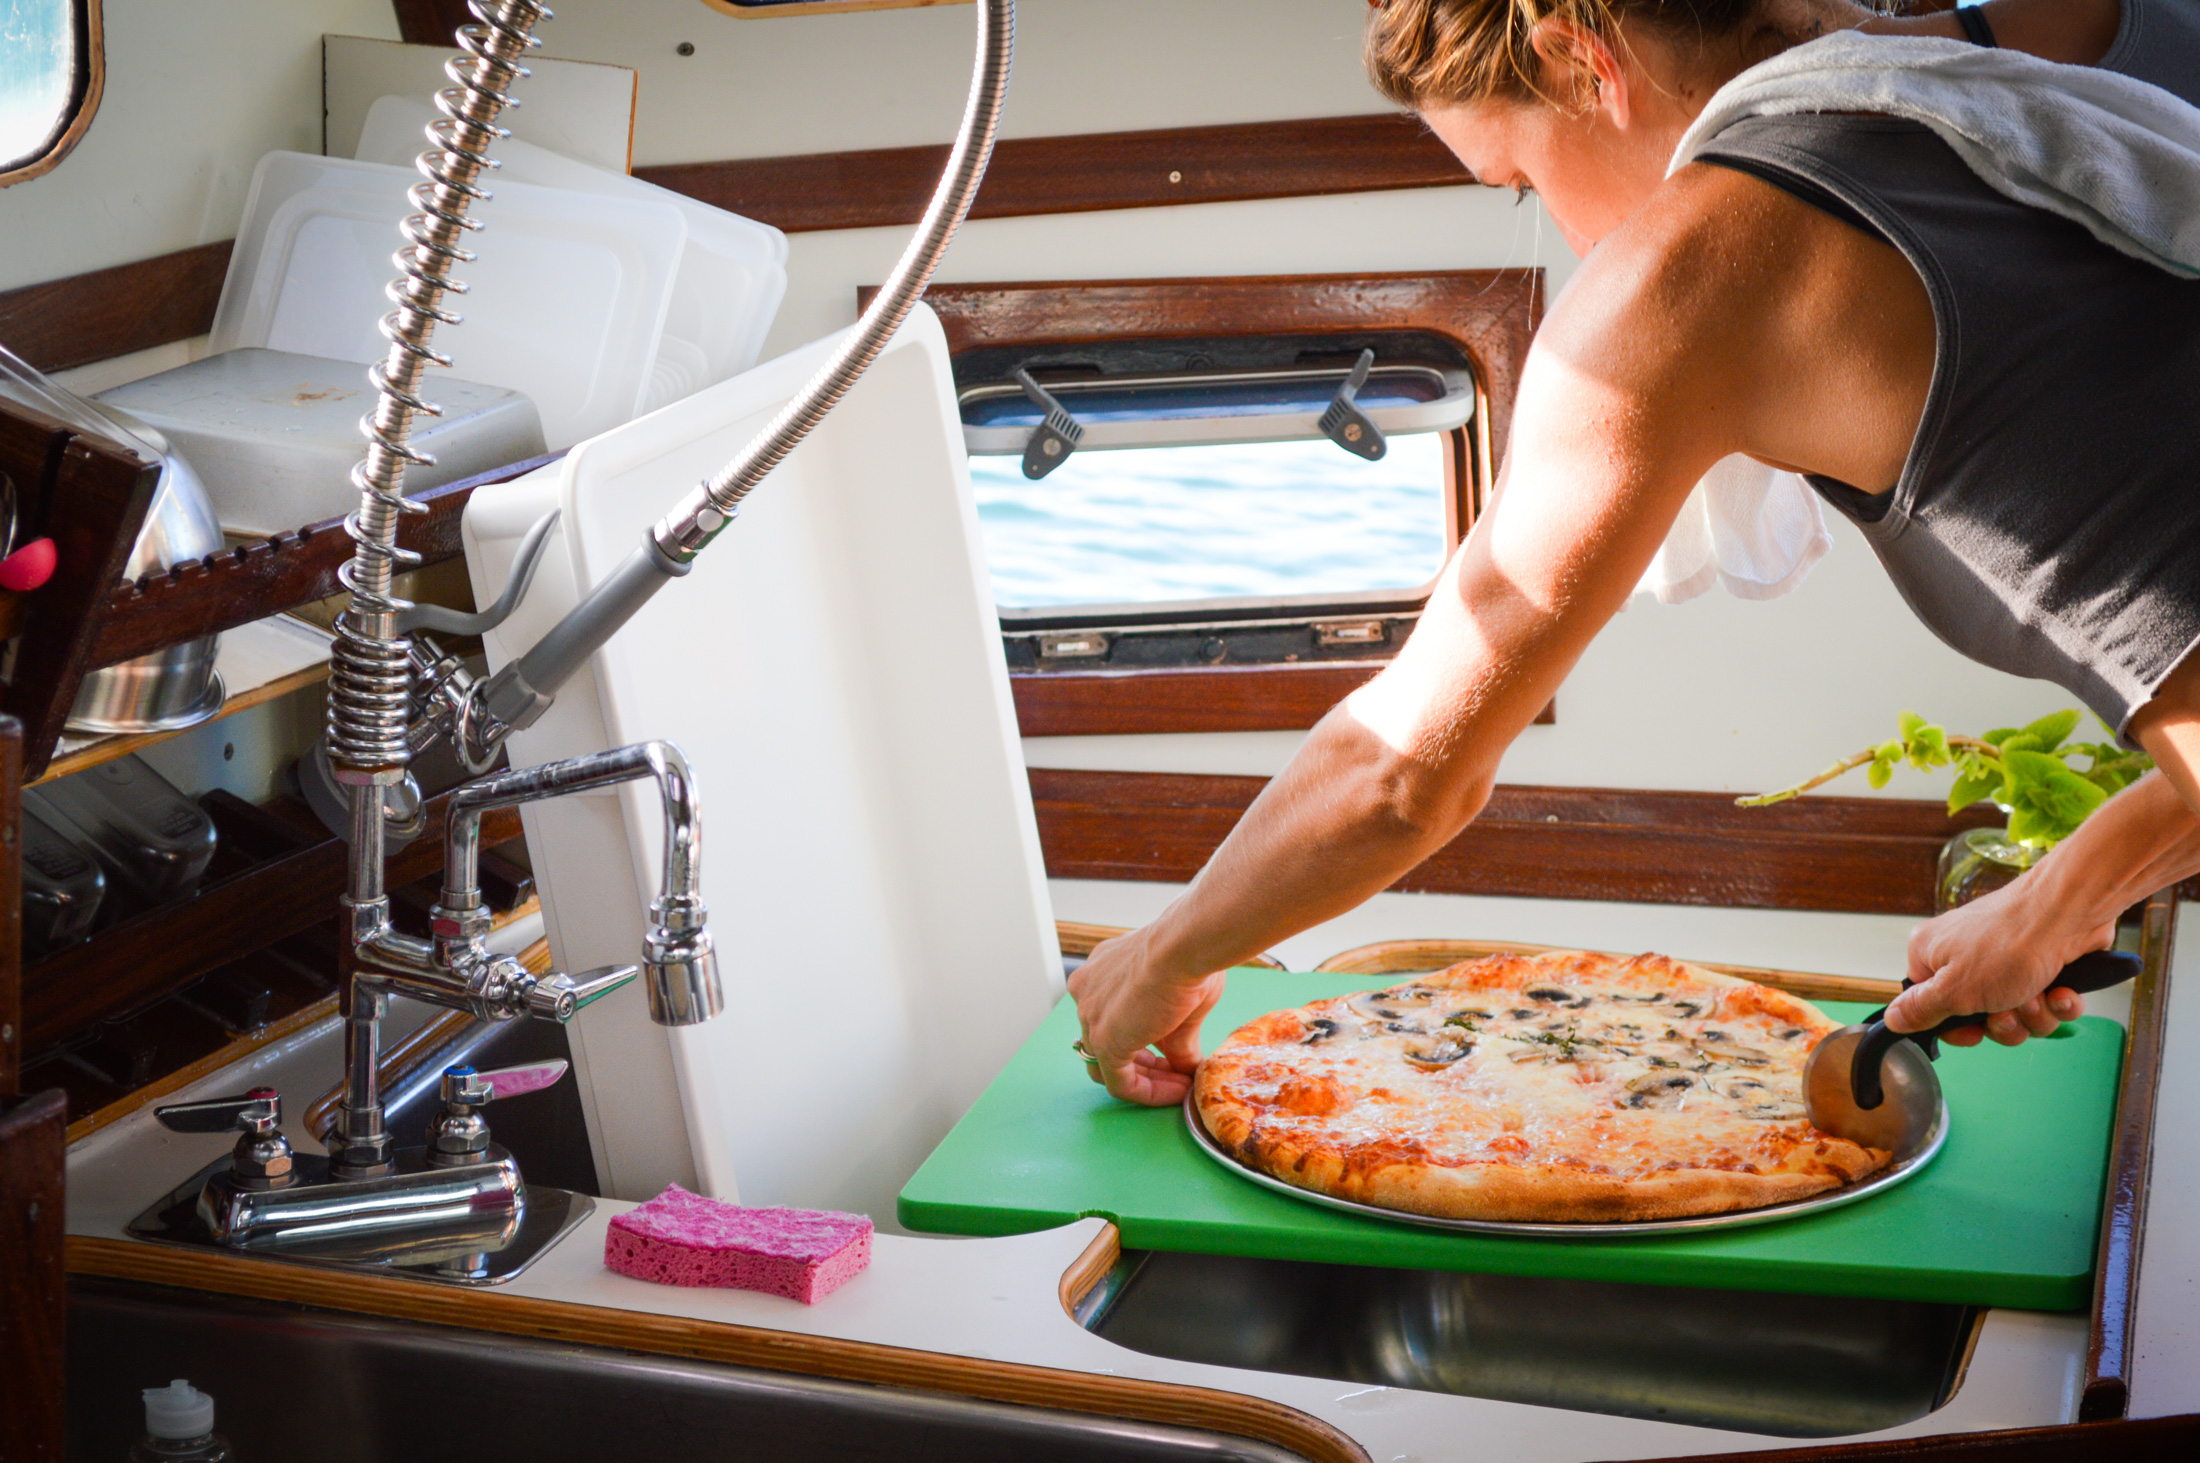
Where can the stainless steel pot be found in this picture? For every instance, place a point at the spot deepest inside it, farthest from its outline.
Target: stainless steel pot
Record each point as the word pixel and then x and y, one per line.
pixel 177 687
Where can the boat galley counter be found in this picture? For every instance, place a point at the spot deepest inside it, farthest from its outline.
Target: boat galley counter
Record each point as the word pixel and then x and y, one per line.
pixel 998 1319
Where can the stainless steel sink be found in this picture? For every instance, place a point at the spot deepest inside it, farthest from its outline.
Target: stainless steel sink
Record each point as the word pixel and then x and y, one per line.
pixel 305 1386
pixel 1793 1366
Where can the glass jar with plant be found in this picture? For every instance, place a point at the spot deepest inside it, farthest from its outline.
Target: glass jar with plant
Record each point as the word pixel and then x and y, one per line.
pixel 2032 773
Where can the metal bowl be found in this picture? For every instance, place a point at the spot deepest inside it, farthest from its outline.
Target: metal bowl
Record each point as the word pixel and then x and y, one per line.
pixel 177 687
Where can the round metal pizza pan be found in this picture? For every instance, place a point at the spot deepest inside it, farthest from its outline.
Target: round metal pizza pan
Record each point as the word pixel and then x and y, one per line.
pixel 1904 1167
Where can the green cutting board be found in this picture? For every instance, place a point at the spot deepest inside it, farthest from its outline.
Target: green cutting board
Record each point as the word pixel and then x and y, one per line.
pixel 2005 1216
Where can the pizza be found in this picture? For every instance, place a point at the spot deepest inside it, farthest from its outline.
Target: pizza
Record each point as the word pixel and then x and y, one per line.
pixel 1560 1087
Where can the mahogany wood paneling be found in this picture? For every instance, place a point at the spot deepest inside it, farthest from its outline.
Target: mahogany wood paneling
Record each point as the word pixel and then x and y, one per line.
pixel 1104 1394
pixel 1079 174
pixel 430 22
pixel 2107 1388
pixel 1209 698
pixel 251 582
pixel 89 496
pixel 162 950
pixel 1862 855
pixel 33 1286
pixel 112 312
pixel 11 906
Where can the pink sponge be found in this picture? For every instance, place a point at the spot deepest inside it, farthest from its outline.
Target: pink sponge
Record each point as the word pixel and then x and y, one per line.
pixel 679 1238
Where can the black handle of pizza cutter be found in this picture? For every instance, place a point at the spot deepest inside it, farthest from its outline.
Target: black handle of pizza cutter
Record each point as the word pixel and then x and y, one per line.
pixel 2092 972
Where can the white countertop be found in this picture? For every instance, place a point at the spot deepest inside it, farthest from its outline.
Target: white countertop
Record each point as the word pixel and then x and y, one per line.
pixel 996 1298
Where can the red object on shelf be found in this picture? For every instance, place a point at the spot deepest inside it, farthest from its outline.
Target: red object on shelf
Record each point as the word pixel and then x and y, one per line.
pixel 29 567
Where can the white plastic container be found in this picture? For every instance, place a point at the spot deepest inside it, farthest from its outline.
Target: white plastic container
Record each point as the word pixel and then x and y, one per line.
pixel 274 436
pixel 832 667
pixel 732 274
pixel 566 306
pixel 179 1427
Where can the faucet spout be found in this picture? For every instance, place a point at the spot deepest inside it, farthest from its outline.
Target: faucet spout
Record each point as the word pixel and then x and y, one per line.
pixel 679 966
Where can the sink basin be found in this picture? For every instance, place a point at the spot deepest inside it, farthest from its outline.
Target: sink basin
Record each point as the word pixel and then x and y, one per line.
pixel 1793 1366
pixel 308 1386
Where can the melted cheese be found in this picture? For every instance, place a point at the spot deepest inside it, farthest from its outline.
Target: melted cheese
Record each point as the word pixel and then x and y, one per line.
pixel 1597 1069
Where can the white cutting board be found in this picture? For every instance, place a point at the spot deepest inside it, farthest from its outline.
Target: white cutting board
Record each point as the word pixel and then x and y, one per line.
pixel 832 667
pixel 732 274
pixel 566 302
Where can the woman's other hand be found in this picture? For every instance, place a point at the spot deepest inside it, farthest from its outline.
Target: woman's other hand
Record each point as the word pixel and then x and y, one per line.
pixel 1999 954
pixel 1128 1004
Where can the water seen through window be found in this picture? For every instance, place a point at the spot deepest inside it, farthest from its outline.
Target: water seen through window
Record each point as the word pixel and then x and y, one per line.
pixel 1140 525
pixel 38 64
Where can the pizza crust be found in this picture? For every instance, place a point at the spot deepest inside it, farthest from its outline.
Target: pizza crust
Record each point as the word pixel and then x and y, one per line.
pixel 1318 1098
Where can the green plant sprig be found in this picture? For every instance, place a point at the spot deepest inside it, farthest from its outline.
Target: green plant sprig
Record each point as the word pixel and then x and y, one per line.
pixel 2028 771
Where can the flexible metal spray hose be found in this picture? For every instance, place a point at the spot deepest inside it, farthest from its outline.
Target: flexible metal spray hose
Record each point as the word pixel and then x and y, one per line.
pixel 703 513
pixel 516 696
pixel 369 698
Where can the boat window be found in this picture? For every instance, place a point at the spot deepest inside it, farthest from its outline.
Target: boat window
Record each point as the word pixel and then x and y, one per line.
pixel 1272 520
pixel 49 81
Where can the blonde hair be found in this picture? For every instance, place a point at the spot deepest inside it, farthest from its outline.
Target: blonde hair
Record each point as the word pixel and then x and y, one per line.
pixel 1423 53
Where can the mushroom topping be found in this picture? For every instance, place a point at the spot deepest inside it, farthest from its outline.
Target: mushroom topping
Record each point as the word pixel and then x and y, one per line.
pixel 1753 1099
pixel 1403 1028
pixel 1659 1090
pixel 1687 1009
pixel 1434 1052
pixel 1523 1015
pixel 1318 1030
pixel 1652 999
pixel 1548 994
pixel 1720 1047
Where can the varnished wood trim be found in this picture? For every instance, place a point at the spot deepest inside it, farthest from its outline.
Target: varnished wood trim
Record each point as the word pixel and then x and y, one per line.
pixel 34 1301
pixel 235 1051
pixel 782 1351
pixel 2107 1390
pixel 1858 855
pixel 95 87
pixel 237 586
pixel 1237 162
pixel 430 22
pixel 1401 957
pixel 1089 1268
pixel 113 312
pixel 1215 698
pixel 11 907
pixel 1083 939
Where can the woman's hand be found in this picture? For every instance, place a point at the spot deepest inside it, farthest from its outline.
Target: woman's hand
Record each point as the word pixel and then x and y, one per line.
pixel 1999 954
pixel 1127 1003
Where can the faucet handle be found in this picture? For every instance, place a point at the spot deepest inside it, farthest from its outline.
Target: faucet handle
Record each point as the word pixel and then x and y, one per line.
pixel 262 1158
pixel 561 997
pixel 258 1112
pixel 472 1088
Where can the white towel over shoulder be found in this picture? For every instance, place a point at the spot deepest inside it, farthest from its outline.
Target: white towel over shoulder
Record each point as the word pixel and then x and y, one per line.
pixel 2114 154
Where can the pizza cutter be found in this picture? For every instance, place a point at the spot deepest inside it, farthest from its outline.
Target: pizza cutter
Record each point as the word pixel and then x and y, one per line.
pixel 1877 1087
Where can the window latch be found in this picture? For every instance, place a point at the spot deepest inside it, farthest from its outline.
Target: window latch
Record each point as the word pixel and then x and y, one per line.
pixel 1343 422
pixel 1057 434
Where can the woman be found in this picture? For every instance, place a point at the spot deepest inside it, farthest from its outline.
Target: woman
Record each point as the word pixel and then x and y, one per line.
pixel 2003 403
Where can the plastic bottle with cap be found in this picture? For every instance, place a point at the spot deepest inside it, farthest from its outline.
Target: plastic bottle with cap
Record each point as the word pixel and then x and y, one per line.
pixel 179 1427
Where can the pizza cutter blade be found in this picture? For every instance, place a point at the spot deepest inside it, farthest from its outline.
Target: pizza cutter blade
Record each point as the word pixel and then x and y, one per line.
pixel 1877 1087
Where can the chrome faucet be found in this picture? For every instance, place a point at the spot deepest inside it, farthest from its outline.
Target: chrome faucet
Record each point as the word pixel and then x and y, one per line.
pixel 459 1209
pixel 456 969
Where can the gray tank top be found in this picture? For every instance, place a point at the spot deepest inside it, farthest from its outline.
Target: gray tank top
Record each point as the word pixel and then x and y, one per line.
pixel 2047 519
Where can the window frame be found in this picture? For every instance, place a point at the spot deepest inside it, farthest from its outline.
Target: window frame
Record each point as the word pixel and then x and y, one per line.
pixel 1490 315
pixel 89 86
